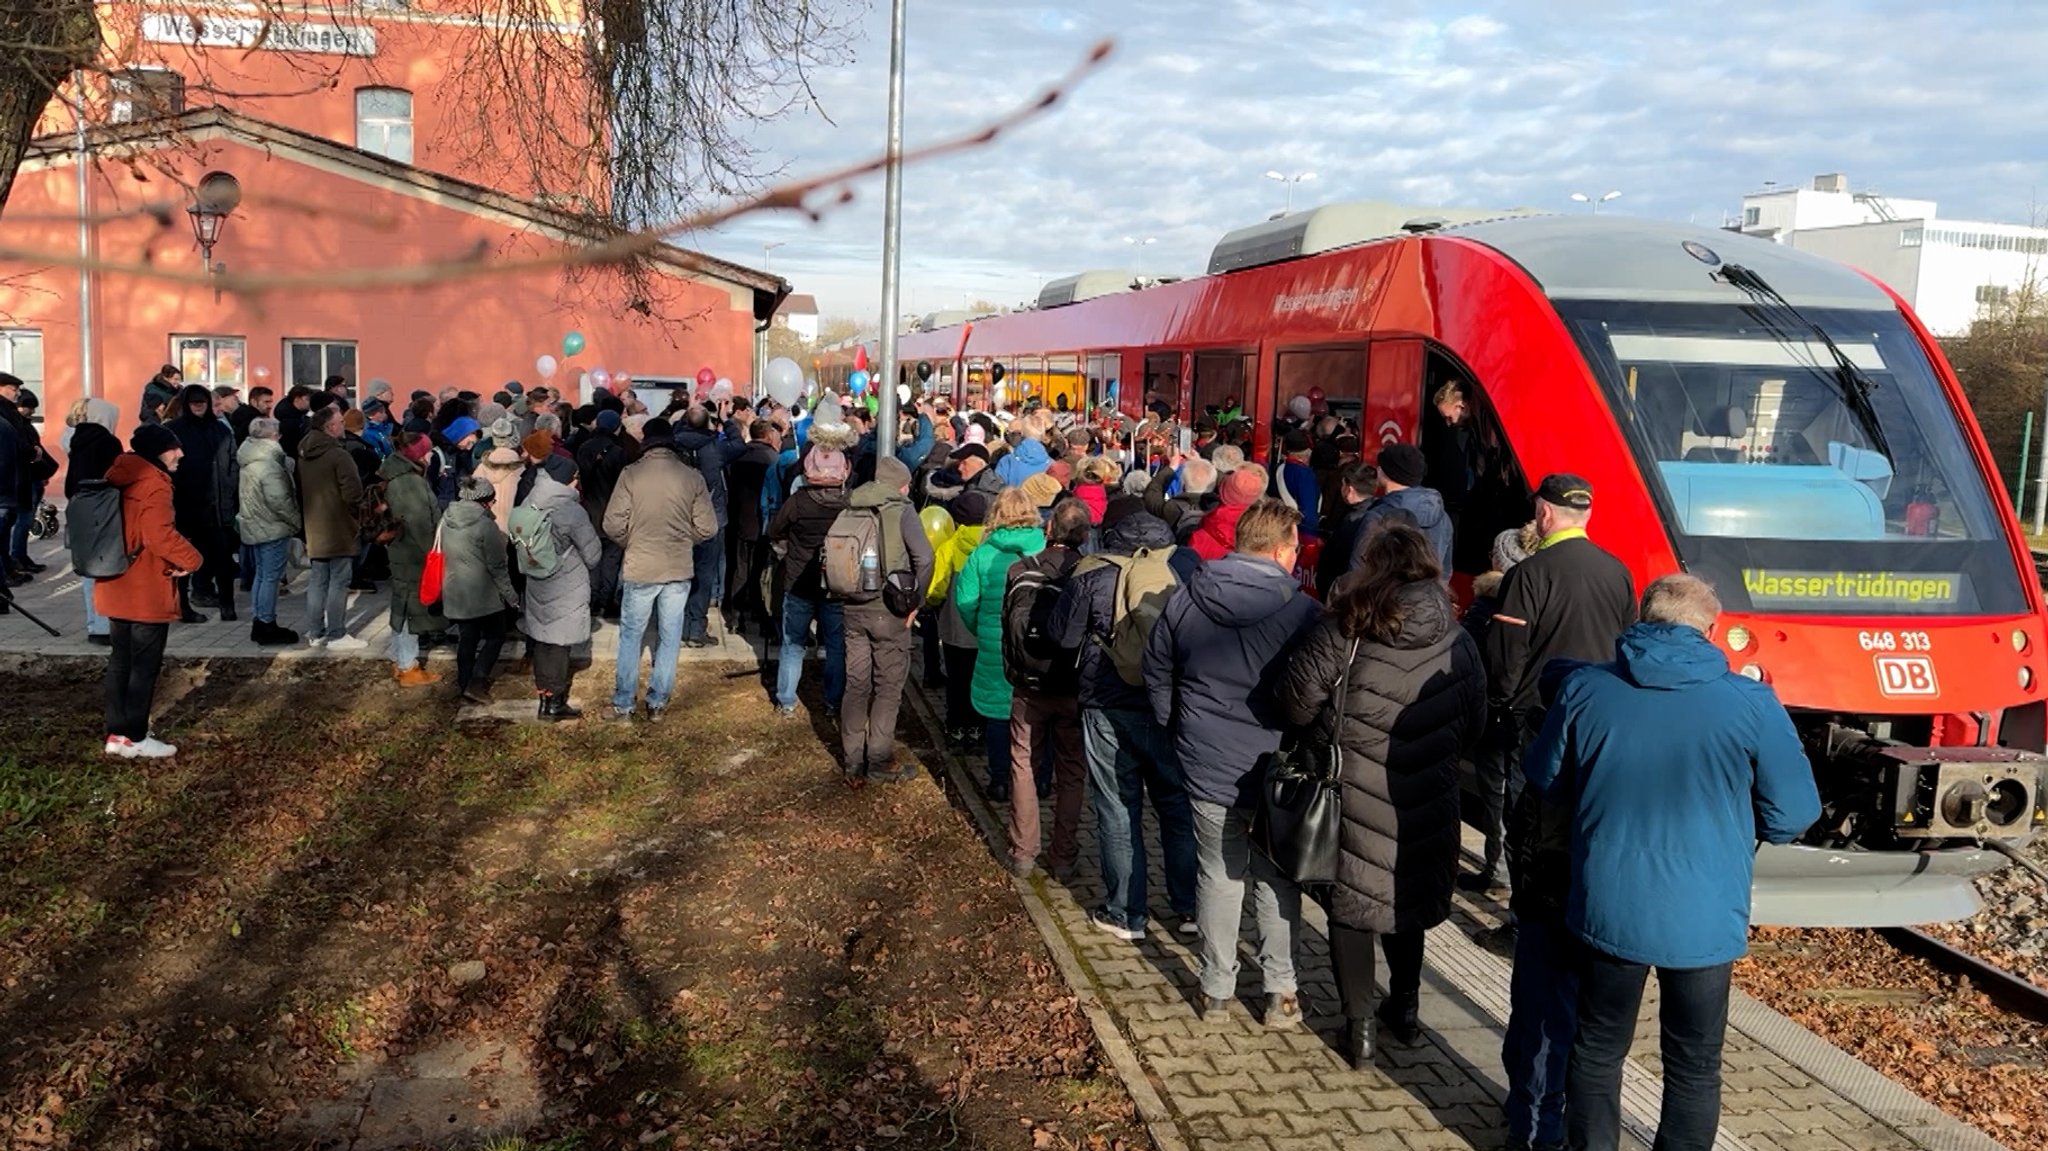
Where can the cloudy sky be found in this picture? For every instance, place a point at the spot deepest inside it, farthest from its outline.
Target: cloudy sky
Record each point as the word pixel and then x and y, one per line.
pixel 1682 107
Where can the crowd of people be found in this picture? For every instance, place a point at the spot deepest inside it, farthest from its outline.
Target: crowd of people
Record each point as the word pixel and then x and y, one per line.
pixel 1115 613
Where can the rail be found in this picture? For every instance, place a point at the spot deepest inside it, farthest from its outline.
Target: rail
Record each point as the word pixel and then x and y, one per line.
pixel 2012 992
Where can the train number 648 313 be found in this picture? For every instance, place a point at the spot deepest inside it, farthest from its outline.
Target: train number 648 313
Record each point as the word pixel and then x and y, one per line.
pixel 1894 641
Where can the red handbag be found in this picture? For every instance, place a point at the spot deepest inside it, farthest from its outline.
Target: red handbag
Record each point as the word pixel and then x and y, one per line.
pixel 430 575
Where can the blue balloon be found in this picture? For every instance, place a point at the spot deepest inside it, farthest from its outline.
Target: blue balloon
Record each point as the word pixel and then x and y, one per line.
pixel 1110 390
pixel 857 383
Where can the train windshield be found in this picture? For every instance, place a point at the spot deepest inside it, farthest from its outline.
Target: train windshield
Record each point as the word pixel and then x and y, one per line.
pixel 1800 473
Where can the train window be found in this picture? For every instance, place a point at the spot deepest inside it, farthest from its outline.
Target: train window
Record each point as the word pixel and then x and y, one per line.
pixel 1061 386
pixel 1026 379
pixel 1337 373
pixel 1222 382
pixel 1102 373
pixel 1162 379
pixel 1811 483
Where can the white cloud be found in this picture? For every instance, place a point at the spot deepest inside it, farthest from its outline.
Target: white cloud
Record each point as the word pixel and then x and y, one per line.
pixel 1682 108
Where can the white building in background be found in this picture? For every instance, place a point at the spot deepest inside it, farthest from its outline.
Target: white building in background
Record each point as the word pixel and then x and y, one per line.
pixel 1950 271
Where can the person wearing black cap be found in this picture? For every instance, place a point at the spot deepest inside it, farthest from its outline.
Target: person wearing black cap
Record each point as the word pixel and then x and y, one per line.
pixel 1294 481
pixel 1402 496
pixel 1569 601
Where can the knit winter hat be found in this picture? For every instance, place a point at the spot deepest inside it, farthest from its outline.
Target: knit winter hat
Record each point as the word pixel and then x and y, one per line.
pixel 151 441
pixel 539 445
pixel 561 468
pixel 969 509
pixel 352 421
pixel 1403 464
pixel 1508 550
pixel 459 429
pixel 504 432
pixel 1042 488
pixel 476 490
pixel 892 474
pixel 608 421
pixel 1243 486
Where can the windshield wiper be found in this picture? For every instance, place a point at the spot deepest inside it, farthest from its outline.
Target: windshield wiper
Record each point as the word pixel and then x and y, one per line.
pixel 1850 382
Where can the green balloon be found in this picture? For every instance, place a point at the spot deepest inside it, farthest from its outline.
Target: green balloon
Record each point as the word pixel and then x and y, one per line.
pixel 572 343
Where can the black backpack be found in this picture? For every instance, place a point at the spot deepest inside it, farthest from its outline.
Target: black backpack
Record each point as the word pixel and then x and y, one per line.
pixel 1031 660
pixel 97 534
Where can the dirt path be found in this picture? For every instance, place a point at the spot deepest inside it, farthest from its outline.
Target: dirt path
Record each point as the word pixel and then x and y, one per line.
pixel 340 919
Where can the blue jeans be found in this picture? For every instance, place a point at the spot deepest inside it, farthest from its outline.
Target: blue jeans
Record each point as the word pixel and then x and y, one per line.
pixel 327 598
pixel 1542 1018
pixel 1692 1014
pixel 269 570
pixel 707 557
pixel 797 614
pixel 17 533
pixel 664 603
pixel 995 740
pixel 1127 754
pixel 95 623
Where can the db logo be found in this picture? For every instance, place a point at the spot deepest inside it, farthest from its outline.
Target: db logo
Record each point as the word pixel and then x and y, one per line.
pixel 1906 675
pixel 1390 433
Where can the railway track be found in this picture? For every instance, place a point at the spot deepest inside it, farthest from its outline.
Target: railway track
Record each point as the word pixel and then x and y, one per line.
pixel 2014 993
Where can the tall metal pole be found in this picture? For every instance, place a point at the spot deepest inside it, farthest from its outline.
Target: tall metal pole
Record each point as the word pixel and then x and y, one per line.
pixel 884 376
pixel 79 163
pixel 2041 489
pixel 2019 491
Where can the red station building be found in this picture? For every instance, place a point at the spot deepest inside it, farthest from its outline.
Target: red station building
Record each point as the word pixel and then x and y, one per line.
pixel 356 142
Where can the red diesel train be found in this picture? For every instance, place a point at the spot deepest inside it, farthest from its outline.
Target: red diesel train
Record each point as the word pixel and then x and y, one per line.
pixel 1777 423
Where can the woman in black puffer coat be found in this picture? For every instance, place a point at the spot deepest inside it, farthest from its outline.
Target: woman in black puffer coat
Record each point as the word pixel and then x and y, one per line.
pixel 1416 702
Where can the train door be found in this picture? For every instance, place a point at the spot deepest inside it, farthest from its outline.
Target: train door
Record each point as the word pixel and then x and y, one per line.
pixel 1328 381
pixel 1470 463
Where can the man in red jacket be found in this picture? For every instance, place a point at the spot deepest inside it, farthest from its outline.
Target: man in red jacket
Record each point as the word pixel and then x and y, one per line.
pixel 142 601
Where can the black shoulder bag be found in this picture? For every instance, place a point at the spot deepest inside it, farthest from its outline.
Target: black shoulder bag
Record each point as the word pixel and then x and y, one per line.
pixel 1301 802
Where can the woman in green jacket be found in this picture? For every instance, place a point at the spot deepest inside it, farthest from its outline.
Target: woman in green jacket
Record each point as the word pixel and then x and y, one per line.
pixel 417 514
pixel 1013 531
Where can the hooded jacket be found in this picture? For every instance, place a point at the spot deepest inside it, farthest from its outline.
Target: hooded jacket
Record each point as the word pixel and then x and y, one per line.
pixel 206 488
pixel 1422 507
pixel 659 511
pixel 1413 705
pixel 269 505
pixel 1085 615
pixel 144 593
pixel 1672 767
pixel 800 527
pixel 1221 637
pixel 978 593
pixel 1217 535
pixel 476 581
pixel 1022 462
pixel 947 561
pixel 331 495
pixel 558 606
pixel 417 513
pixel 91 447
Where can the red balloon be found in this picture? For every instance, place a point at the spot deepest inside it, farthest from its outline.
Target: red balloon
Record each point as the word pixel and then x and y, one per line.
pixel 860 358
pixel 1315 395
pixel 706 377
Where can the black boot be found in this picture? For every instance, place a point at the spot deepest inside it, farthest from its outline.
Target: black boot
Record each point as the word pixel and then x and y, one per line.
pixel 1358 1042
pixel 555 708
pixel 1398 1014
pixel 227 605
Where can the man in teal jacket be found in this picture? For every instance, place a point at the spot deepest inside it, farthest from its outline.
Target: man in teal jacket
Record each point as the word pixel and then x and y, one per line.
pixel 1673 768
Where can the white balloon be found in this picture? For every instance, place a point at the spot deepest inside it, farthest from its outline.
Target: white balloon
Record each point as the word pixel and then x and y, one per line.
pixel 785 380
pixel 546 366
pixel 902 393
pixel 722 390
pixel 1299 407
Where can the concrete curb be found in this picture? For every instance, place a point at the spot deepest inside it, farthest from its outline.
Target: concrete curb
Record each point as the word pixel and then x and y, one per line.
pixel 1160 1122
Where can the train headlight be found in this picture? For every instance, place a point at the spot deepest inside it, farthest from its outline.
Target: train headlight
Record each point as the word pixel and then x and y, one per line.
pixel 2019 640
pixel 1739 638
pixel 2026 677
pixel 1755 671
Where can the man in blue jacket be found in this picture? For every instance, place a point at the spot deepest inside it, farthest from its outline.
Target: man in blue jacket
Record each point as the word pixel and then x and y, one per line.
pixel 1673 768
pixel 1217 643
pixel 1402 497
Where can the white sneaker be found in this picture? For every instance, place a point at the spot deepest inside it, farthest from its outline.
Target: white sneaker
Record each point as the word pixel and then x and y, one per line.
pixel 120 745
pixel 314 641
pixel 151 748
pixel 348 643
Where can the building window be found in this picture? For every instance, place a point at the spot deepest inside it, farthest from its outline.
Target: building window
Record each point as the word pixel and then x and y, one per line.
pixel 1911 237
pixel 308 363
pixel 1751 217
pixel 21 356
pixel 146 93
pixel 1992 295
pixel 210 360
pixel 384 122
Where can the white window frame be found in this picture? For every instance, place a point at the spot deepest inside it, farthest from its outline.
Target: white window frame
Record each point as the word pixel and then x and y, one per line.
pixel 374 132
pixel 215 345
pixel 326 363
pixel 11 342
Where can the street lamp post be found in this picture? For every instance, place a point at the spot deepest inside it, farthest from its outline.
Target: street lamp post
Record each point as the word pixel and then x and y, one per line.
pixel 212 202
pixel 1135 242
pixel 1582 198
pixel 767 248
pixel 884 377
pixel 1290 181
